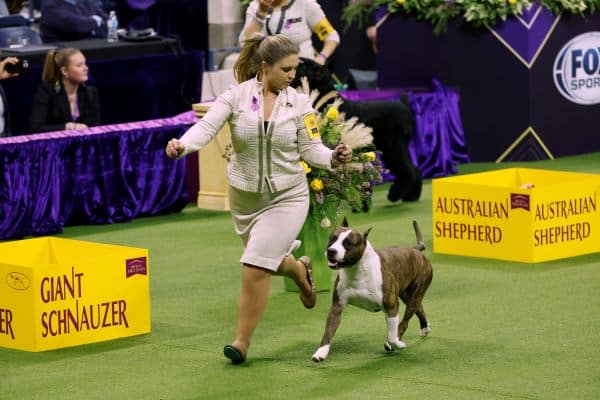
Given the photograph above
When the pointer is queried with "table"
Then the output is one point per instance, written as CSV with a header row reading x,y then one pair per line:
x,y
99,175
213,193
135,80
99,48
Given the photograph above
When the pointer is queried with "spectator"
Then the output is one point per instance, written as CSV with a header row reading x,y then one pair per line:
x,y
3,9
4,115
106,5
296,20
64,20
63,101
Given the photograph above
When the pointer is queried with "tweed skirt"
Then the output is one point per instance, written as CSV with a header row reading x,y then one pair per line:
x,y
268,223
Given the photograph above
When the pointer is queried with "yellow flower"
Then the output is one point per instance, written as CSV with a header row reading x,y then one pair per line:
x,y
370,156
325,223
332,114
400,1
306,167
316,185
512,2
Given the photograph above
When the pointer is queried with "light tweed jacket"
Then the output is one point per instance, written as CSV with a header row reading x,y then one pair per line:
x,y
260,158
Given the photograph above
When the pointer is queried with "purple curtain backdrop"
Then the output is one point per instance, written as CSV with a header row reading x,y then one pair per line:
x,y
99,175
140,4
186,19
439,141
439,144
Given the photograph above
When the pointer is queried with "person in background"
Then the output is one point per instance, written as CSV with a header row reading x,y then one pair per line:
x,y
63,101
272,128
4,115
106,5
65,20
296,19
3,9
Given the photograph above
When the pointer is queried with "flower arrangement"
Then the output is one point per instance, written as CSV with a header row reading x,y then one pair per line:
x,y
477,12
351,182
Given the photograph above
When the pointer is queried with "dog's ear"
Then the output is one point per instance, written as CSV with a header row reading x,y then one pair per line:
x,y
366,234
345,223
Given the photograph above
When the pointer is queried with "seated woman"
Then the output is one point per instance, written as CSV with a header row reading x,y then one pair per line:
x,y
63,101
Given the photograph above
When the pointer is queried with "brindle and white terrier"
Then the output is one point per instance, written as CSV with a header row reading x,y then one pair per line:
x,y
376,280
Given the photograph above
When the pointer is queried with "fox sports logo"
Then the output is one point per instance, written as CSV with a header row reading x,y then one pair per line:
x,y
577,69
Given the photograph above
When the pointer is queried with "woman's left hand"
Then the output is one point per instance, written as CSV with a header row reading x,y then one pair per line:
x,y
342,153
319,59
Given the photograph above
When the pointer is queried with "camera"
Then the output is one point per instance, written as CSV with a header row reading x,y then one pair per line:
x,y
17,68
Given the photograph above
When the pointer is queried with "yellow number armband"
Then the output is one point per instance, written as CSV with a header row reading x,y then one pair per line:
x,y
323,29
312,128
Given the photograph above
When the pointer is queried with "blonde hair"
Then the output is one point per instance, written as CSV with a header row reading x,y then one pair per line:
x,y
259,48
55,60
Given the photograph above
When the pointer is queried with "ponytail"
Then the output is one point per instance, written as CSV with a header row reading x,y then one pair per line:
x,y
55,60
248,63
259,48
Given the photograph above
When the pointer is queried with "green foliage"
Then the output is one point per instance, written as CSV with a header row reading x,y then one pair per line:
x,y
476,12
351,182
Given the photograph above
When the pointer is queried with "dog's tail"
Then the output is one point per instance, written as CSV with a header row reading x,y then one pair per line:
x,y
420,242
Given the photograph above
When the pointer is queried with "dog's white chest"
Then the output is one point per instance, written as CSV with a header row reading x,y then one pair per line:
x,y
361,285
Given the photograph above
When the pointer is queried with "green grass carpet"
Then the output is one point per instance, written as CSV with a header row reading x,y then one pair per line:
x,y
500,330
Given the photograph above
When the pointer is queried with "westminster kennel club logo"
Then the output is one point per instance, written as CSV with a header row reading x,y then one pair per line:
x,y
134,266
518,200
577,69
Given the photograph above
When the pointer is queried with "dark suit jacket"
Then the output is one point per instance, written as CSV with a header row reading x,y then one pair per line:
x,y
64,20
51,109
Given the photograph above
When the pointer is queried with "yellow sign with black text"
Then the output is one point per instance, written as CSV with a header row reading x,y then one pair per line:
x,y
312,128
57,293
517,214
323,28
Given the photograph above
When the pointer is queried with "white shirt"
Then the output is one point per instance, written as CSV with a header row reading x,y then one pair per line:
x,y
2,119
296,20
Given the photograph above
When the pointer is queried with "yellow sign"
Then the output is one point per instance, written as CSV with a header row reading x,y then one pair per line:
x,y
57,293
517,214
323,29
312,128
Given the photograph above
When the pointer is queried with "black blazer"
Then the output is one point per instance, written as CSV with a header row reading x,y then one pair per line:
x,y
51,109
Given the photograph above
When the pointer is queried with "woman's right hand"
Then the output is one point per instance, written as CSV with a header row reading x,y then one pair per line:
x,y
75,125
3,73
174,149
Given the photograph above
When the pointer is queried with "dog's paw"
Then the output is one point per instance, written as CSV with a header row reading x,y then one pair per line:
x,y
321,353
398,344
425,331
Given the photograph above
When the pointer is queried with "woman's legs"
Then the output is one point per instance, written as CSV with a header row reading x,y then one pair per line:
x,y
253,301
256,283
299,271
295,270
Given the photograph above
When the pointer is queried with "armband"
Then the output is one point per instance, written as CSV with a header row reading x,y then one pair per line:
x,y
323,29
